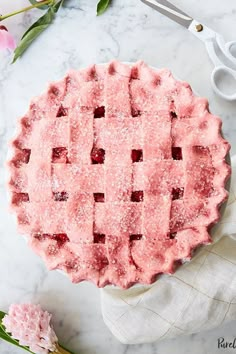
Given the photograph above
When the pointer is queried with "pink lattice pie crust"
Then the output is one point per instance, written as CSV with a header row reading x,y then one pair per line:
x,y
118,173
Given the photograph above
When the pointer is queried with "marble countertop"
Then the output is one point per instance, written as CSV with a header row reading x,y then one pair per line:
x,y
128,31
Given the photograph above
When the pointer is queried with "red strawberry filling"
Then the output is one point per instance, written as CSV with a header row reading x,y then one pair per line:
x,y
61,196
177,153
60,155
62,111
173,115
135,112
60,238
172,235
99,112
177,193
99,197
137,155
135,237
137,196
99,238
19,198
97,156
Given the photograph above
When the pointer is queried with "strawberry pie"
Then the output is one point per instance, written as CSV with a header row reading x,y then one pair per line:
x,y
117,174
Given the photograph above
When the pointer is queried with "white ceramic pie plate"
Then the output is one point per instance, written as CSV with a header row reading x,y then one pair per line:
x,y
213,231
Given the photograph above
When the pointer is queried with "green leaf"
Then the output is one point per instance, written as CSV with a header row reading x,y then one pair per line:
x,y
27,40
7,338
57,6
36,29
44,20
34,2
2,314
102,6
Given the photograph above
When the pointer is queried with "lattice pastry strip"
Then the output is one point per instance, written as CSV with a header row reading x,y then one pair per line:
x,y
157,137
117,103
40,172
119,219
39,222
81,137
199,131
199,182
73,178
121,264
80,212
156,215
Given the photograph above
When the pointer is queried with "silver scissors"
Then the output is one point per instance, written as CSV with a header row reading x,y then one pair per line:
x,y
222,54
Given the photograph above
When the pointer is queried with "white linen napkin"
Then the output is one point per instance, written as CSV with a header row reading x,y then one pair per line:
x,y
199,296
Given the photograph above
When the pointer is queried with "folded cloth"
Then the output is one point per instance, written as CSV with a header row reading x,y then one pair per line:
x,y
200,295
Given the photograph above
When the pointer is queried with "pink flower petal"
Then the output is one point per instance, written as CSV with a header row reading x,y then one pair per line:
x,y
29,324
6,40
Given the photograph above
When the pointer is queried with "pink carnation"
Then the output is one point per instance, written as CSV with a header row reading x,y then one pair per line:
x,y
6,39
30,325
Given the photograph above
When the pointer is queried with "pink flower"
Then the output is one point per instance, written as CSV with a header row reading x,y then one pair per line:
x,y
30,325
6,39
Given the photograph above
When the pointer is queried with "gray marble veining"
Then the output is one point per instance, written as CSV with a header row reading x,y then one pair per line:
x,y
129,31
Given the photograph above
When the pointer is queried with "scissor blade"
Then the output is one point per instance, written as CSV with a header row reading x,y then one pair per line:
x,y
169,10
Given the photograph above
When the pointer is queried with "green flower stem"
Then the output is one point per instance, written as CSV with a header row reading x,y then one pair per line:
x,y
42,3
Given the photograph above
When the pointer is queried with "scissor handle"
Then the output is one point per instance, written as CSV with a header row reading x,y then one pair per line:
x,y
230,48
208,36
223,78
223,74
